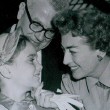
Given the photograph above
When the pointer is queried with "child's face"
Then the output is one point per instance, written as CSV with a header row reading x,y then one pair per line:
x,y
26,69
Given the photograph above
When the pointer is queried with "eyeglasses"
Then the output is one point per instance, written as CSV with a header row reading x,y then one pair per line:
x,y
38,27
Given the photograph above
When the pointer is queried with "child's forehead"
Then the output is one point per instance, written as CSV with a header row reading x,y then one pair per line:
x,y
29,51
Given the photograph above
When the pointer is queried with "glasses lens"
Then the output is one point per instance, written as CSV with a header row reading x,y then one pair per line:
x,y
36,27
49,34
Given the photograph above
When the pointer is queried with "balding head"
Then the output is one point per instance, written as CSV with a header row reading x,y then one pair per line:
x,y
58,5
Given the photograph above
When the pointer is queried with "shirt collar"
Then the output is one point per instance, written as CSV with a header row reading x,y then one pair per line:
x,y
104,77
8,103
91,82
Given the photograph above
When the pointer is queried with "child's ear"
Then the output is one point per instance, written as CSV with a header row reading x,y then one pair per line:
x,y
5,72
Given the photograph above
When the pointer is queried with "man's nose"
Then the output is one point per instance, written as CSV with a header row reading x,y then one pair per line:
x,y
40,36
67,57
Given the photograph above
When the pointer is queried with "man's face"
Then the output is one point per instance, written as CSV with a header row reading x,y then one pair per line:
x,y
78,55
41,11
26,69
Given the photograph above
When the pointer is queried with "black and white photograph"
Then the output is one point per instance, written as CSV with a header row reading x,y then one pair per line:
x,y
55,55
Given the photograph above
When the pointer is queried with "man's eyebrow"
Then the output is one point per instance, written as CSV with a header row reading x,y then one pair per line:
x,y
71,47
37,20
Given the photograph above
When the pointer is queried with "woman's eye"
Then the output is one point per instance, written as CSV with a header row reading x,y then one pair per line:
x,y
73,52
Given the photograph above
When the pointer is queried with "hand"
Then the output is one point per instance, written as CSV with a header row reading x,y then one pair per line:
x,y
43,98
63,101
49,99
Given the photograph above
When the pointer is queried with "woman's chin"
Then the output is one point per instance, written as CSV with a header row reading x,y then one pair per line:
x,y
77,75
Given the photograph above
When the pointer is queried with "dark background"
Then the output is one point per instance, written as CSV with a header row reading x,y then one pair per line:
x,y
8,12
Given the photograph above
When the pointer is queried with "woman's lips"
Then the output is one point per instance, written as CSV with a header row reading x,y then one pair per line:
x,y
73,68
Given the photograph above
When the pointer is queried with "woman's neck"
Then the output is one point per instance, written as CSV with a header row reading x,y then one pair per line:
x,y
102,66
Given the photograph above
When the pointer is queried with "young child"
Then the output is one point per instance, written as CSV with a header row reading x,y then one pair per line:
x,y
19,72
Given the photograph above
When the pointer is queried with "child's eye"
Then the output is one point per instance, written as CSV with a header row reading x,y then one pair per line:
x,y
31,60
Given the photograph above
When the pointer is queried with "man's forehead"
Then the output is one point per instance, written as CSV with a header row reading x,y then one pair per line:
x,y
43,11
58,5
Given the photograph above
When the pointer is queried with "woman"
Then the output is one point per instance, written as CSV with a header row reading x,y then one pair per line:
x,y
86,44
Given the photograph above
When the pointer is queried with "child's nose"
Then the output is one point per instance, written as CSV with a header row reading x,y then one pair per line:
x,y
38,66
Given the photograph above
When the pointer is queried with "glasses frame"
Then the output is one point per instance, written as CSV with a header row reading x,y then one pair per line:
x,y
35,22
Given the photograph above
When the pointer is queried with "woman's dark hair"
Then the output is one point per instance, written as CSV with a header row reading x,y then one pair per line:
x,y
91,23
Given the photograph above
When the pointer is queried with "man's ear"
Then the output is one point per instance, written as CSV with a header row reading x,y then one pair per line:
x,y
5,72
21,10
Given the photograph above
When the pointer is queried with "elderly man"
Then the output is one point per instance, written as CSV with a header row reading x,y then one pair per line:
x,y
35,19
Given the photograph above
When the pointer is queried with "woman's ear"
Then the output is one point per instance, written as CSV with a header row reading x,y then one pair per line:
x,y
5,72
100,55
21,10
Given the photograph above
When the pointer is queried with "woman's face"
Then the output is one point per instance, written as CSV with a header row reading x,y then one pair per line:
x,y
26,69
78,55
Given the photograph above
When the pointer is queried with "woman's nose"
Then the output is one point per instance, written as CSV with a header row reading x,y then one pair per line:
x,y
67,57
